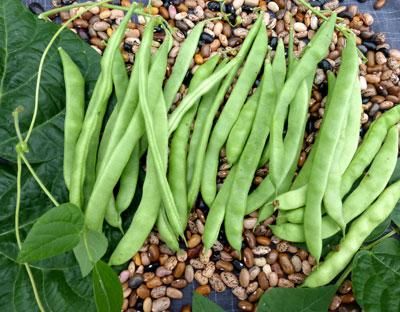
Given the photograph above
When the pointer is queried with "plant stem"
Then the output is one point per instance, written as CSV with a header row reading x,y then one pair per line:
x,y
41,65
373,244
67,8
35,176
17,235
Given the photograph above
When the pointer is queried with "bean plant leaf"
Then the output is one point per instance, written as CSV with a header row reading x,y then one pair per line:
x,y
92,246
22,40
379,230
107,288
376,278
297,299
201,304
54,233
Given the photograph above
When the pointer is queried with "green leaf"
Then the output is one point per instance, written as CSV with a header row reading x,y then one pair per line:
x,y
107,288
396,173
376,279
297,299
378,231
396,215
54,233
203,304
390,246
92,246
23,38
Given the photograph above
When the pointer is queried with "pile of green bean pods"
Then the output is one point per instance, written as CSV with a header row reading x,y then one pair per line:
x,y
253,108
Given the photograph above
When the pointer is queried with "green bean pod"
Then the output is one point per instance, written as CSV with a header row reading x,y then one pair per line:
x,y
208,107
314,53
128,182
86,147
360,229
373,183
241,129
215,216
345,151
302,177
167,234
248,163
74,111
150,203
168,200
182,63
113,168
177,170
369,147
329,136
230,113
120,81
295,216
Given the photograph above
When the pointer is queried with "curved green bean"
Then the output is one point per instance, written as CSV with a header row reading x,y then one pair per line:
x,y
74,111
329,136
248,163
345,151
202,128
314,53
373,183
231,109
240,131
177,170
360,229
86,146
182,63
217,212
369,147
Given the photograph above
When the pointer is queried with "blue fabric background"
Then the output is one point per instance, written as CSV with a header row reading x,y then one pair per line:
x,y
387,20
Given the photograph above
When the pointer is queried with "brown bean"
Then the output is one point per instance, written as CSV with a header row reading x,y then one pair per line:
x,y
263,240
347,298
154,253
179,283
229,279
143,292
284,283
171,263
194,252
285,264
250,239
263,280
224,266
253,272
158,292
154,282
189,273
195,240
148,276
166,280
161,304
216,283
244,277
209,270
256,295
245,305
186,308
239,292
179,269
200,278
204,290
174,293
272,257
345,287
297,278
273,279
248,257
162,271
147,303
